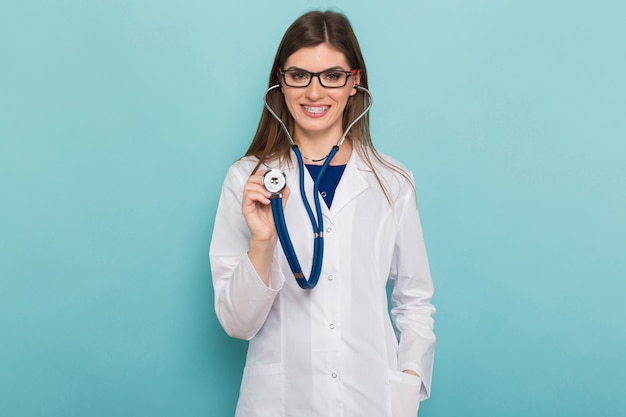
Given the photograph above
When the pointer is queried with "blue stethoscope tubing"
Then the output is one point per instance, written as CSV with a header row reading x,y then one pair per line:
x,y
317,218
316,222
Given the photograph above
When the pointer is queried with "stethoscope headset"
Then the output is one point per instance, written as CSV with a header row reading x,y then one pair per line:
x,y
275,181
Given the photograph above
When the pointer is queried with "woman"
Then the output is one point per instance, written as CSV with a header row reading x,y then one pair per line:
x,y
332,350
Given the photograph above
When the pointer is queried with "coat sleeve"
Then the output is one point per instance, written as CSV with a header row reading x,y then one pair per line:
x,y
411,307
242,300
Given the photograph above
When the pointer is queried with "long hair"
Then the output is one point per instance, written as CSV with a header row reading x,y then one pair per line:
x,y
311,29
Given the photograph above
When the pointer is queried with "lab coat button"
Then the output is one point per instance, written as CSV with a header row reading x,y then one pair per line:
x,y
332,326
328,230
334,375
330,277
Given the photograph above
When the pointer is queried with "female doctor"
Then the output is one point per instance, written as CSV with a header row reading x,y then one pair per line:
x,y
333,350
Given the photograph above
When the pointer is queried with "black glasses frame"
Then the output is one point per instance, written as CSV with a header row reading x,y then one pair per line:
x,y
316,74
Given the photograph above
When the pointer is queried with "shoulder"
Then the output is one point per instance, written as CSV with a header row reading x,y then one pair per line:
x,y
393,175
239,172
389,160
243,166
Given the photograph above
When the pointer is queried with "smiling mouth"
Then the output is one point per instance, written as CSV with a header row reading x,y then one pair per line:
x,y
315,109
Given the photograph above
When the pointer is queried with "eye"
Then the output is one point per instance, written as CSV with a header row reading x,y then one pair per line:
x,y
333,77
298,75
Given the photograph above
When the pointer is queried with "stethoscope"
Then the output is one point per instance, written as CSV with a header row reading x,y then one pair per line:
x,y
275,181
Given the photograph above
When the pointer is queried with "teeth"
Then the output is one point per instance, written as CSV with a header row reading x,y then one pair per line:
x,y
315,110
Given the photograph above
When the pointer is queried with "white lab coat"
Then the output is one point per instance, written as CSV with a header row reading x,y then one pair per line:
x,y
331,351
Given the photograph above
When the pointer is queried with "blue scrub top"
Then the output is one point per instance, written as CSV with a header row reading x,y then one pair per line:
x,y
330,180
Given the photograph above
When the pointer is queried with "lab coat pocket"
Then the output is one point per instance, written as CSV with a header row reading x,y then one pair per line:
x,y
261,391
405,394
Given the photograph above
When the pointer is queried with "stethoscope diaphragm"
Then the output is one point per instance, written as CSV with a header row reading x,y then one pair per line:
x,y
274,181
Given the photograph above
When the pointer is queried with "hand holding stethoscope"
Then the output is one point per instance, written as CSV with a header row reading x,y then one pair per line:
x,y
257,211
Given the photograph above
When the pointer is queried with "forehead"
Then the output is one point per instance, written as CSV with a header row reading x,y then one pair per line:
x,y
317,58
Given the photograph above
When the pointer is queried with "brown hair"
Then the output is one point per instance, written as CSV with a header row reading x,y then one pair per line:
x,y
311,29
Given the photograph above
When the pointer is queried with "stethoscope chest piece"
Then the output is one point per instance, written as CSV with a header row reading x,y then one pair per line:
x,y
274,181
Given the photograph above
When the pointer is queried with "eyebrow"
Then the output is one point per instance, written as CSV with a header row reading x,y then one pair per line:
x,y
335,68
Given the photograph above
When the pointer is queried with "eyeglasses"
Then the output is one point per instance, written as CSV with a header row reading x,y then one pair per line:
x,y
331,78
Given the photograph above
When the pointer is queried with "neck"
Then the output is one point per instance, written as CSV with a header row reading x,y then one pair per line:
x,y
315,146
317,155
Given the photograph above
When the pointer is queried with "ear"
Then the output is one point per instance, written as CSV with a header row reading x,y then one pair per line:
x,y
357,81
279,78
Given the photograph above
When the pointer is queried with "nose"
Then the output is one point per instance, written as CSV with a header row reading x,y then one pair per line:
x,y
315,88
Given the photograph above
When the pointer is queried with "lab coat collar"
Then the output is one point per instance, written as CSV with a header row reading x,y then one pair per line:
x,y
351,185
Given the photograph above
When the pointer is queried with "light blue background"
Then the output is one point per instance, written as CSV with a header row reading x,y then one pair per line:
x,y
118,120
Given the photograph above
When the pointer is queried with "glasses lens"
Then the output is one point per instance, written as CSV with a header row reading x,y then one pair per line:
x,y
333,78
295,78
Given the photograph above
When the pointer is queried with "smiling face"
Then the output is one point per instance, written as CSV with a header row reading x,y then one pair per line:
x,y
316,110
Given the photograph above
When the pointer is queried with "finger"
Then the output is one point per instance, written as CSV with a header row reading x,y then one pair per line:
x,y
252,197
255,185
257,177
